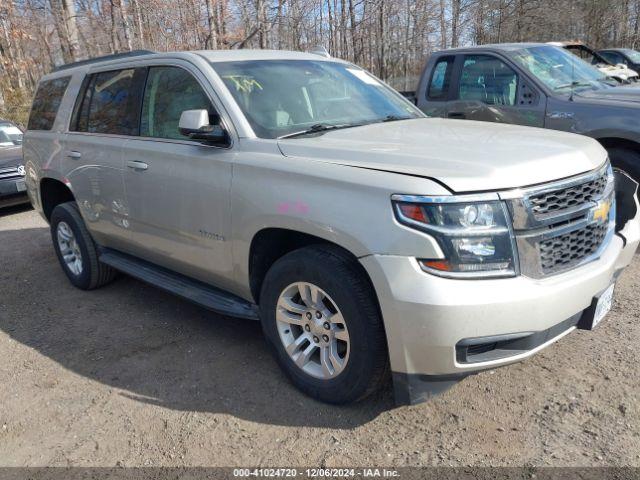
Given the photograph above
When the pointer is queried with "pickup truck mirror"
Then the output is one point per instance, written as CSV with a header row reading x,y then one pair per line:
x,y
195,125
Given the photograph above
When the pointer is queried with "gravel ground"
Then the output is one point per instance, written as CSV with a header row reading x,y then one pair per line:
x,y
130,376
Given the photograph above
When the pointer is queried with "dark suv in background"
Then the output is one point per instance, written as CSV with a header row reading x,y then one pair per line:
x,y
12,186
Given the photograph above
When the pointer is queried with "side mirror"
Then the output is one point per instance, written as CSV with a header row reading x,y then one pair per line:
x,y
621,65
195,125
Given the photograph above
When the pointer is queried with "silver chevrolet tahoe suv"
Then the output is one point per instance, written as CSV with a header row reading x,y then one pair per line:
x,y
299,190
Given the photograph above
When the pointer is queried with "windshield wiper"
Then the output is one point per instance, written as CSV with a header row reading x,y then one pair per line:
x,y
395,118
319,127
573,85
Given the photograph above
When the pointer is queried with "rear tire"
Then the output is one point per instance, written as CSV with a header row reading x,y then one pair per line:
x,y
626,159
76,249
348,357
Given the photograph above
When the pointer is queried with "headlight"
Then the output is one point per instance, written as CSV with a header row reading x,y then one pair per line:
x,y
475,235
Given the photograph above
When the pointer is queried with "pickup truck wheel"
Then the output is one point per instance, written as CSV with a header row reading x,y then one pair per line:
x,y
321,319
76,250
627,160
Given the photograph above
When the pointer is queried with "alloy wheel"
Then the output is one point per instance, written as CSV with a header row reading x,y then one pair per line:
x,y
312,330
69,248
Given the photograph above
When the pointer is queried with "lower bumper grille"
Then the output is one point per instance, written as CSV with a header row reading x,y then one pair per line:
x,y
565,251
486,349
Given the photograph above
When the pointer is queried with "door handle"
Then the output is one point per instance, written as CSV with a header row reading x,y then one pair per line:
x,y
456,115
75,155
137,165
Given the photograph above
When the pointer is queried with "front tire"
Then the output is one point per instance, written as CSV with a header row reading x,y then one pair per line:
x,y
320,317
76,250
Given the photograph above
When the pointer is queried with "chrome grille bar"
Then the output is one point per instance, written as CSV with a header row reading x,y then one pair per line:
x,y
562,225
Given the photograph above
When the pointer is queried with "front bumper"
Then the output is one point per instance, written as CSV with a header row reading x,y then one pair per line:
x,y
13,192
428,319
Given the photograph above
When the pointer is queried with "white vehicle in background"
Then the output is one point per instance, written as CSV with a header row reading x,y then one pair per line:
x,y
620,71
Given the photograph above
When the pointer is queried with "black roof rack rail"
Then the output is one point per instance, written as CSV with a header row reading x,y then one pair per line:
x,y
133,53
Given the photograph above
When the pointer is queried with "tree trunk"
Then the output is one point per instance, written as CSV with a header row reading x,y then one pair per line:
x,y
352,26
443,26
126,29
115,43
135,6
212,22
455,22
69,13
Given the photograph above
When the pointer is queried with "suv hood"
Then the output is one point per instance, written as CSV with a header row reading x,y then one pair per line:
x,y
465,155
10,156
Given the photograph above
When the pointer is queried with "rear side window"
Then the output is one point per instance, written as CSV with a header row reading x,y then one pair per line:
x,y
46,103
110,103
169,92
440,79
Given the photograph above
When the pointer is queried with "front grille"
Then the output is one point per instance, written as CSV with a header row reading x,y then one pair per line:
x,y
555,225
9,172
565,251
558,200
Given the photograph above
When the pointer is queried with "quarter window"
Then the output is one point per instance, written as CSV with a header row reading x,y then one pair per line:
x,y
489,80
440,79
111,103
46,103
169,92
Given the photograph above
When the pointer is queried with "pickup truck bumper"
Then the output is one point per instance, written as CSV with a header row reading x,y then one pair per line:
x,y
440,330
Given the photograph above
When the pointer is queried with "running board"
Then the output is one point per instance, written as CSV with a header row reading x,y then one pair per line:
x,y
193,290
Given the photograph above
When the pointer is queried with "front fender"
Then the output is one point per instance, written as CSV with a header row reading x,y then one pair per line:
x,y
350,207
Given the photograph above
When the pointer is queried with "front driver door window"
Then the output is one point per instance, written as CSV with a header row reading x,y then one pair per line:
x,y
179,199
490,90
169,92
488,80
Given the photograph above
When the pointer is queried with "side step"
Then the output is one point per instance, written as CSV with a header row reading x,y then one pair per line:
x,y
193,290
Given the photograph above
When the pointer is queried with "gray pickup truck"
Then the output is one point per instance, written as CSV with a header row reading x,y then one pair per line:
x,y
537,85
301,191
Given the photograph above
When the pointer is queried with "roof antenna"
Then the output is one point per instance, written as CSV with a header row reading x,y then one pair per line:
x,y
320,50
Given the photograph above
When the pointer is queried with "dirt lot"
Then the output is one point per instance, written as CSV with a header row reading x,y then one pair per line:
x,y
128,375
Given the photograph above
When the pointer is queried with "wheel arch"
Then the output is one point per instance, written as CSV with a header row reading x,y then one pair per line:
x,y
272,243
619,142
53,192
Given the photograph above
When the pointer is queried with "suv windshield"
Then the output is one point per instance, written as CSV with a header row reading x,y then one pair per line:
x,y
10,135
560,70
285,97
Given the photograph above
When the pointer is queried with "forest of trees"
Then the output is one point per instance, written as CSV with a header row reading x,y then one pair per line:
x,y
391,38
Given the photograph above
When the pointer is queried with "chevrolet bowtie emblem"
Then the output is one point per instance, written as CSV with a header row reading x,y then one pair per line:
x,y
601,212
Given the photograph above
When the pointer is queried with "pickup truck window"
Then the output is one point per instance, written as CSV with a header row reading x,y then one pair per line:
x,y
170,91
46,103
489,80
560,70
111,103
281,97
440,79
